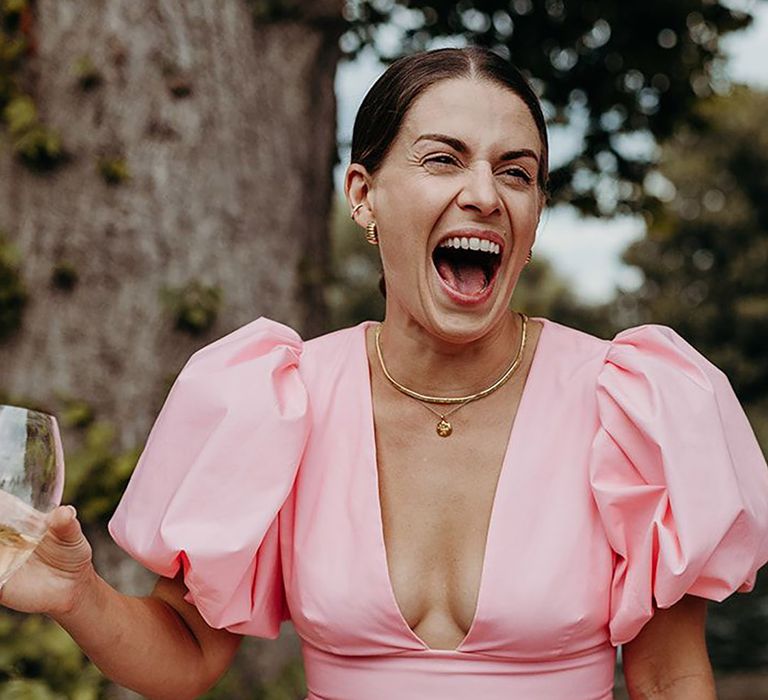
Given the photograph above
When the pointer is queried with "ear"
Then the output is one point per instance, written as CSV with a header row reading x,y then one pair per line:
x,y
357,189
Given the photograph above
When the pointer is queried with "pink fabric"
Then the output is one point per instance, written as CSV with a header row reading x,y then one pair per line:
x,y
679,480
219,463
259,478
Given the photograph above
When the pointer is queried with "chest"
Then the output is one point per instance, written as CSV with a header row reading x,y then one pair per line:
x,y
489,539
436,499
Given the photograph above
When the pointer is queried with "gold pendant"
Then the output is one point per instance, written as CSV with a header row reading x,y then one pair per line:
x,y
444,428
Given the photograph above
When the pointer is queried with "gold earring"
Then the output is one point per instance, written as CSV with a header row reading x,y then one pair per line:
x,y
370,233
528,257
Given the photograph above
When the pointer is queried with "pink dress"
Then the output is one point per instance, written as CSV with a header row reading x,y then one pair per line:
x,y
631,476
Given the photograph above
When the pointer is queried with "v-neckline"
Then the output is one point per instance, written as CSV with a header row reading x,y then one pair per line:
x,y
372,465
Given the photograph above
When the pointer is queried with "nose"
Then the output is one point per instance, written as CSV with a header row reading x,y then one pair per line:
x,y
479,192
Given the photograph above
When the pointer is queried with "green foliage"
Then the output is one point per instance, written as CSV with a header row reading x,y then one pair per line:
x,y
289,684
20,114
15,7
13,294
113,169
13,47
36,145
97,473
39,661
194,306
39,148
77,414
620,70
705,255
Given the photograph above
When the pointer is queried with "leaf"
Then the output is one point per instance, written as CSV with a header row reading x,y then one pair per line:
x,y
20,114
27,690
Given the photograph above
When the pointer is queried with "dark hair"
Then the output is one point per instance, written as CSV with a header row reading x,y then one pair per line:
x,y
386,104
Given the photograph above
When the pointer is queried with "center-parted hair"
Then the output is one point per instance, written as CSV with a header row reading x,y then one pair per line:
x,y
386,104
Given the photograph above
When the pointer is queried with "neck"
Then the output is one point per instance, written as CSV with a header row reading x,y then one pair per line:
x,y
431,365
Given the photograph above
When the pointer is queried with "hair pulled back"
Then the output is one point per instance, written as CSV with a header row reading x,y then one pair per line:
x,y
386,104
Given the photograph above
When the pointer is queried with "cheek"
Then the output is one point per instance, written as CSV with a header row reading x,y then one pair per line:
x,y
410,218
412,195
524,215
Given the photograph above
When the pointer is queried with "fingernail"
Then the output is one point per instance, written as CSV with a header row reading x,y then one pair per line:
x,y
72,510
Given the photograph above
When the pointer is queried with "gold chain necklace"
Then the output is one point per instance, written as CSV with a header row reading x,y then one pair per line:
x,y
444,427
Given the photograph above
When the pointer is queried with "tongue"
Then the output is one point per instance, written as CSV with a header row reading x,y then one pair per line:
x,y
465,279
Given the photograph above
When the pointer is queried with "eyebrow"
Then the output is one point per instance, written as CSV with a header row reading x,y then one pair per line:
x,y
460,147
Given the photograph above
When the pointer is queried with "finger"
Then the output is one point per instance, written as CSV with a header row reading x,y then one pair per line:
x,y
64,524
61,515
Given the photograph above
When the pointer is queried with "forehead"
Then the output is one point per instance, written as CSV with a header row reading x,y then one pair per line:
x,y
476,111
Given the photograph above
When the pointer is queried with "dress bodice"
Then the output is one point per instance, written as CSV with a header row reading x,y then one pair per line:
x,y
631,476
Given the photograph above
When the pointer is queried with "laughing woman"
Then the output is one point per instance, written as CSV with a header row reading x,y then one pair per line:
x,y
457,502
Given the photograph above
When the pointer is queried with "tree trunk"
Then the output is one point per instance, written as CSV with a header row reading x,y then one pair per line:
x,y
227,127
224,117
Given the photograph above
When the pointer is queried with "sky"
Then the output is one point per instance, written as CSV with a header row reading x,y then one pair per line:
x,y
571,243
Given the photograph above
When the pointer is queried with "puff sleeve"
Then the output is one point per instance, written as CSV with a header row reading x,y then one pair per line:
x,y
678,477
218,465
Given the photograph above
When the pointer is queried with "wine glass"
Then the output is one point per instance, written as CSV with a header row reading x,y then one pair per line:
x,y
31,482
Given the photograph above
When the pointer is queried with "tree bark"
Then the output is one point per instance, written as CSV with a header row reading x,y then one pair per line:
x,y
225,119
227,127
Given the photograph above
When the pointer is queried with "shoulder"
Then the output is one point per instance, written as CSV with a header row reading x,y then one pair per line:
x,y
264,335
650,346
569,339
266,353
337,340
254,340
654,355
328,355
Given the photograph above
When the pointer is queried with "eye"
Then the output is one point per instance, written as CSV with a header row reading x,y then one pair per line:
x,y
439,159
517,174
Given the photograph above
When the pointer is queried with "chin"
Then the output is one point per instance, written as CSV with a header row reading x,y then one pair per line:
x,y
461,324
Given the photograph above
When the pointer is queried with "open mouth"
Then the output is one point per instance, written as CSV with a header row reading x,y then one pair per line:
x,y
467,265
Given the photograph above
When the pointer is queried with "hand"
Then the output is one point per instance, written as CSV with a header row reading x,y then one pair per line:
x,y
56,576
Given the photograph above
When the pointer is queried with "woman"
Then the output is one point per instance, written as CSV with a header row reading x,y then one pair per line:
x,y
458,502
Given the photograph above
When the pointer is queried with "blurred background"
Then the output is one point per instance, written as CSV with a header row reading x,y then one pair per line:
x,y
170,170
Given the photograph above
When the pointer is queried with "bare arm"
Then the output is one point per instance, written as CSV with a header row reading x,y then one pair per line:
x,y
158,645
668,659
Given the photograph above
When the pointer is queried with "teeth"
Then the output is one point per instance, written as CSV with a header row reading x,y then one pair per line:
x,y
471,243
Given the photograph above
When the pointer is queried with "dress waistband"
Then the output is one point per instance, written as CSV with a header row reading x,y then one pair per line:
x,y
452,675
